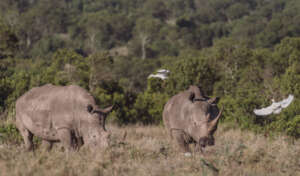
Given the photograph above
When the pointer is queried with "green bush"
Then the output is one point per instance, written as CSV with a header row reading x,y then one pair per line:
x,y
9,134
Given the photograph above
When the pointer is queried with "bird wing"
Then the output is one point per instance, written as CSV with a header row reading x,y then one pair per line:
x,y
268,110
275,107
286,102
161,76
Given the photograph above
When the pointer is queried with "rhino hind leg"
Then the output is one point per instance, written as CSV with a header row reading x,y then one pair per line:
x,y
77,141
26,134
181,140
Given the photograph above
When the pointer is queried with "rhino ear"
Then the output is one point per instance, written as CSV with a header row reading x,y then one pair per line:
x,y
192,97
90,108
107,110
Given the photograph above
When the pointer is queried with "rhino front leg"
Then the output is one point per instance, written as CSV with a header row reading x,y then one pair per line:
x,y
181,140
198,148
79,142
47,145
65,138
26,134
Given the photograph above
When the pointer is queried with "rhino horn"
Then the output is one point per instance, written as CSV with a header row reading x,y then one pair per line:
x,y
214,122
107,110
214,100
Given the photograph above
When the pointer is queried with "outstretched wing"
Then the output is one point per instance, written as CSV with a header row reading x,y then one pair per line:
x,y
286,102
274,107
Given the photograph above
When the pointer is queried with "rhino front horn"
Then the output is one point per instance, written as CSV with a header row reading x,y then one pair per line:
x,y
214,122
107,110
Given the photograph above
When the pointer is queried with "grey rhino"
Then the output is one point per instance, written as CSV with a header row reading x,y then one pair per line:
x,y
66,114
190,117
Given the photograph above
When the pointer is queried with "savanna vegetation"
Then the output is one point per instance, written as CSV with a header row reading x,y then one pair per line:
x,y
146,150
244,51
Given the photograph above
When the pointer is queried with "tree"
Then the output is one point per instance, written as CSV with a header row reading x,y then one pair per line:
x,y
68,67
100,65
8,41
236,11
145,30
188,71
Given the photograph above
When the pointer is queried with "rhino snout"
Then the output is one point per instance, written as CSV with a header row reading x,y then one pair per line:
x,y
203,142
211,141
206,141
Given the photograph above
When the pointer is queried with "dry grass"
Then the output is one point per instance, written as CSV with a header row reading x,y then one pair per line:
x,y
149,151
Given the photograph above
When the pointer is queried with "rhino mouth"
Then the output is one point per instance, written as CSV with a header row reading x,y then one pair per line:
x,y
205,141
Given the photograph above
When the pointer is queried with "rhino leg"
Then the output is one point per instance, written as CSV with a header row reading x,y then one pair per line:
x,y
198,148
26,134
79,142
65,138
47,145
181,140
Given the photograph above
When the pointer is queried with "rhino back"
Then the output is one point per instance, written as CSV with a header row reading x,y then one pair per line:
x,y
45,109
176,111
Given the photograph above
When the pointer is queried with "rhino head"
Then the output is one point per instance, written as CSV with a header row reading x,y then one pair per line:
x,y
94,132
204,121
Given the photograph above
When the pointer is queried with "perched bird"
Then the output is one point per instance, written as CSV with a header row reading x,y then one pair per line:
x,y
275,107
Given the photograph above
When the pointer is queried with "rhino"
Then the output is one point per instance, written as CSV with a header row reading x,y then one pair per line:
x,y
191,117
65,114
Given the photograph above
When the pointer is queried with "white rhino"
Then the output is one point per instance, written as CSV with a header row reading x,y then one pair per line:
x,y
191,117
66,114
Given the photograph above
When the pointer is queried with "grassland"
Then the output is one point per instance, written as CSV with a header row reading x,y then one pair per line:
x,y
149,151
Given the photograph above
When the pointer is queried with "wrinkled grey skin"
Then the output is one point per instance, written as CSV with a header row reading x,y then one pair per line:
x,y
190,119
61,114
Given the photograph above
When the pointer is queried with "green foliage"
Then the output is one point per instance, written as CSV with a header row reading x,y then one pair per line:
x,y
110,93
90,26
6,71
237,10
149,105
8,41
244,51
293,127
288,120
9,134
190,70
290,80
132,73
68,67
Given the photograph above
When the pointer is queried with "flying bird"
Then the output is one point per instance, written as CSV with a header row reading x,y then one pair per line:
x,y
275,107
162,74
